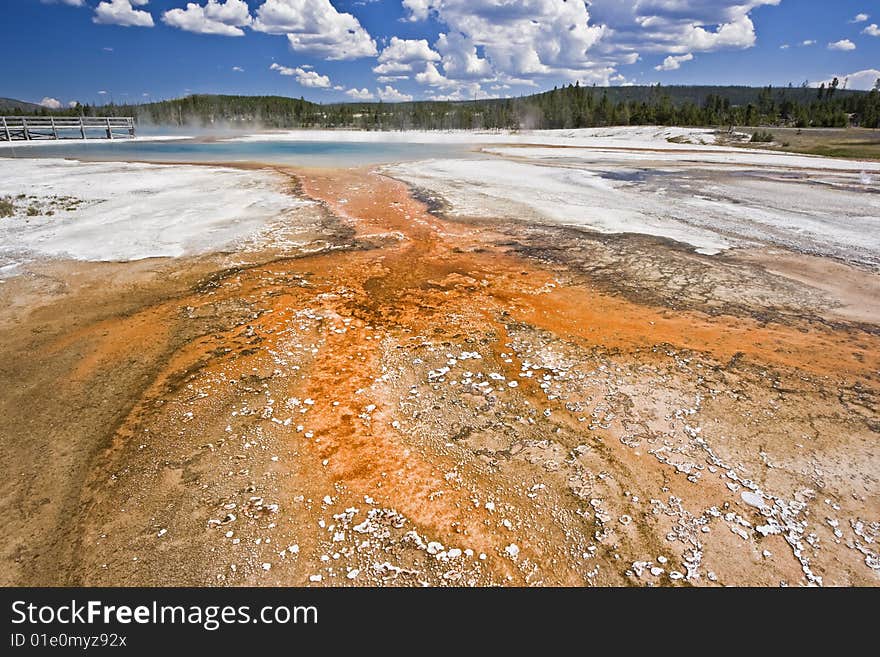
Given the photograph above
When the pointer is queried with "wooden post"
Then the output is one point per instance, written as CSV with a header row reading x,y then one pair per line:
x,y
6,129
82,127
109,129
24,127
54,129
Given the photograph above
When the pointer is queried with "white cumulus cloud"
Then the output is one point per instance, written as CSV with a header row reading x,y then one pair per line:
x,y
519,41
674,62
460,58
360,94
872,30
529,37
315,27
434,78
306,78
860,18
123,12
402,54
679,26
216,17
50,103
463,93
453,89
418,9
391,95
843,44
861,80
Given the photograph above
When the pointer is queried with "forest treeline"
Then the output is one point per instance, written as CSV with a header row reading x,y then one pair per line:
x,y
571,106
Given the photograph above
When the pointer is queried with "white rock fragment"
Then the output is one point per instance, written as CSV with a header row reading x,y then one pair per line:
x,y
767,530
753,499
739,531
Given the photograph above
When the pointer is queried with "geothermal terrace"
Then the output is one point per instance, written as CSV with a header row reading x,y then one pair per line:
x,y
594,357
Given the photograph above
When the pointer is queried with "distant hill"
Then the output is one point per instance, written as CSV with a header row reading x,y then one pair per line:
x,y
571,106
268,111
697,94
12,105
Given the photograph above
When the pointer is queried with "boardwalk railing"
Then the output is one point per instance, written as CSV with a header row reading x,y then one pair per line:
x,y
27,128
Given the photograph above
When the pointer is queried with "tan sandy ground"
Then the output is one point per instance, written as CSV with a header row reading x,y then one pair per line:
x,y
451,403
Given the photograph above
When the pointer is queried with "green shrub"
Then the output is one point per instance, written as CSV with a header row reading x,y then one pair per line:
x,y
6,207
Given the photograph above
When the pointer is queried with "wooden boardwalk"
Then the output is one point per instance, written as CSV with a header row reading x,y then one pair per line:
x,y
29,128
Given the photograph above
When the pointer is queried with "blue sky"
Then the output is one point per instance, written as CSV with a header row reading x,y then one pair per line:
x,y
58,51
